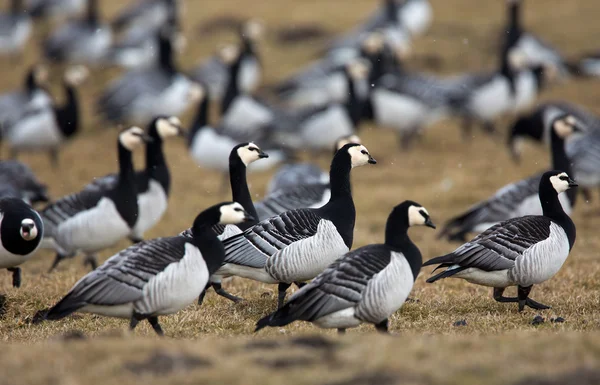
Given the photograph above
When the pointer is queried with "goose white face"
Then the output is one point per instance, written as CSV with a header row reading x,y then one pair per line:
x,y
402,52
359,156
358,70
565,127
229,54
28,229
254,29
418,216
41,74
232,214
250,153
132,138
196,93
517,59
560,182
76,75
341,142
168,127
373,43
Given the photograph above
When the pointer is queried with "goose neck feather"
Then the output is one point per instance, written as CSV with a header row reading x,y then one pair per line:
x,y
239,188
397,239
201,119
561,162
124,195
156,165
166,54
354,106
233,90
552,209
67,116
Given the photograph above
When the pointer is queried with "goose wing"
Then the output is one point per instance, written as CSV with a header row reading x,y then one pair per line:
x,y
312,195
70,205
254,246
584,151
214,74
121,279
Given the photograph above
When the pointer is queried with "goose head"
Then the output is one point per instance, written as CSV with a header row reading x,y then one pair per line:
x,y
566,125
167,127
344,140
357,70
28,229
232,213
560,181
76,75
373,43
252,30
229,54
196,92
248,153
525,126
131,138
359,155
418,215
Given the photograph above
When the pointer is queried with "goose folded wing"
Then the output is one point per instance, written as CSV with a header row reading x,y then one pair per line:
x,y
498,247
132,86
211,72
254,246
291,198
585,153
71,205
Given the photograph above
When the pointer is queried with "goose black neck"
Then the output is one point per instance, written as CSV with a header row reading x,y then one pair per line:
x,y
552,209
560,161
354,106
165,52
67,116
391,11
156,166
239,185
397,239
92,12
339,175
200,120
205,238
514,17
31,82
247,46
232,90
126,171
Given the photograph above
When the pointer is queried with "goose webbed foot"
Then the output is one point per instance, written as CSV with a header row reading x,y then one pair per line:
x,y
524,300
382,327
341,331
16,276
498,296
282,288
90,260
223,293
156,326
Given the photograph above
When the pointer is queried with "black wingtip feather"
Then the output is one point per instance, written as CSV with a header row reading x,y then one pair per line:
x,y
445,274
64,308
448,258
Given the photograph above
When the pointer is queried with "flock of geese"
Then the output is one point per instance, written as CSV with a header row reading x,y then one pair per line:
x,y
302,232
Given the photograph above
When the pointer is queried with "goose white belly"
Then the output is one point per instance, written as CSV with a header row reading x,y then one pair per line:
x,y
152,205
249,74
344,318
492,100
177,286
92,230
543,260
332,88
118,311
136,57
387,291
8,259
322,130
174,99
35,132
211,150
498,278
254,273
398,111
247,114
305,259
526,91
416,16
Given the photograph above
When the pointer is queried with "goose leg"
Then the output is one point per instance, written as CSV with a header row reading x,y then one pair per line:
x,y
300,284
54,157
135,320
203,294
382,327
222,292
91,260
281,295
58,259
341,331
156,326
16,276
498,291
525,300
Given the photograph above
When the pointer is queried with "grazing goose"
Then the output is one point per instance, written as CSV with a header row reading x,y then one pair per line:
x,y
15,29
55,9
19,181
46,129
140,95
92,220
146,14
586,65
87,40
153,278
368,284
153,184
214,71
21,230
522,251
519,198
298,245
298,186
33,96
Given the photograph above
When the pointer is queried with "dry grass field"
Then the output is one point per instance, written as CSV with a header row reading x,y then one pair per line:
x,y
215,344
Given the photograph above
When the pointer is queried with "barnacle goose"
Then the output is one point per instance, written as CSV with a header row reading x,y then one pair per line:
x,y
147,14
586,65
21,230
154,182
153,278
56,9
83,41
33,96
19,181
214,72
15,28
368,284
298,245
47,128
521,251
94,219
298,186
535,51
140,95
414,15
519,198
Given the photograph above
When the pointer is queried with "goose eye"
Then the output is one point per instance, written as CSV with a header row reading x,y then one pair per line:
x,y
423,213
564,178
237,209
364,152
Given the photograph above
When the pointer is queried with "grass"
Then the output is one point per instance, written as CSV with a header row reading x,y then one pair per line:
x,y
443,172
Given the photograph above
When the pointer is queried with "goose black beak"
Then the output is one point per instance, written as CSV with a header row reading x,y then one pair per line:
x,y
262,154
146,138
372,160
249,218
572,183
181,132
429,223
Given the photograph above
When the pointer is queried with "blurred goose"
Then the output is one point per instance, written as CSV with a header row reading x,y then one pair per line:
x,y
298,245
368,284
214,73
153,278
33,96
586,65
535,51
140,95
298,186
56,9
154,182
519,198
21,230
92,220
46,129
19,181
15,28
521,252
146,14
413,15
86,40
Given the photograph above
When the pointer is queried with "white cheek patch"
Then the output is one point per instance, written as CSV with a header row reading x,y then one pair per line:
x,y
130,139
562,129
415,218
559,185
165,128
246,155
229,215
357,157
